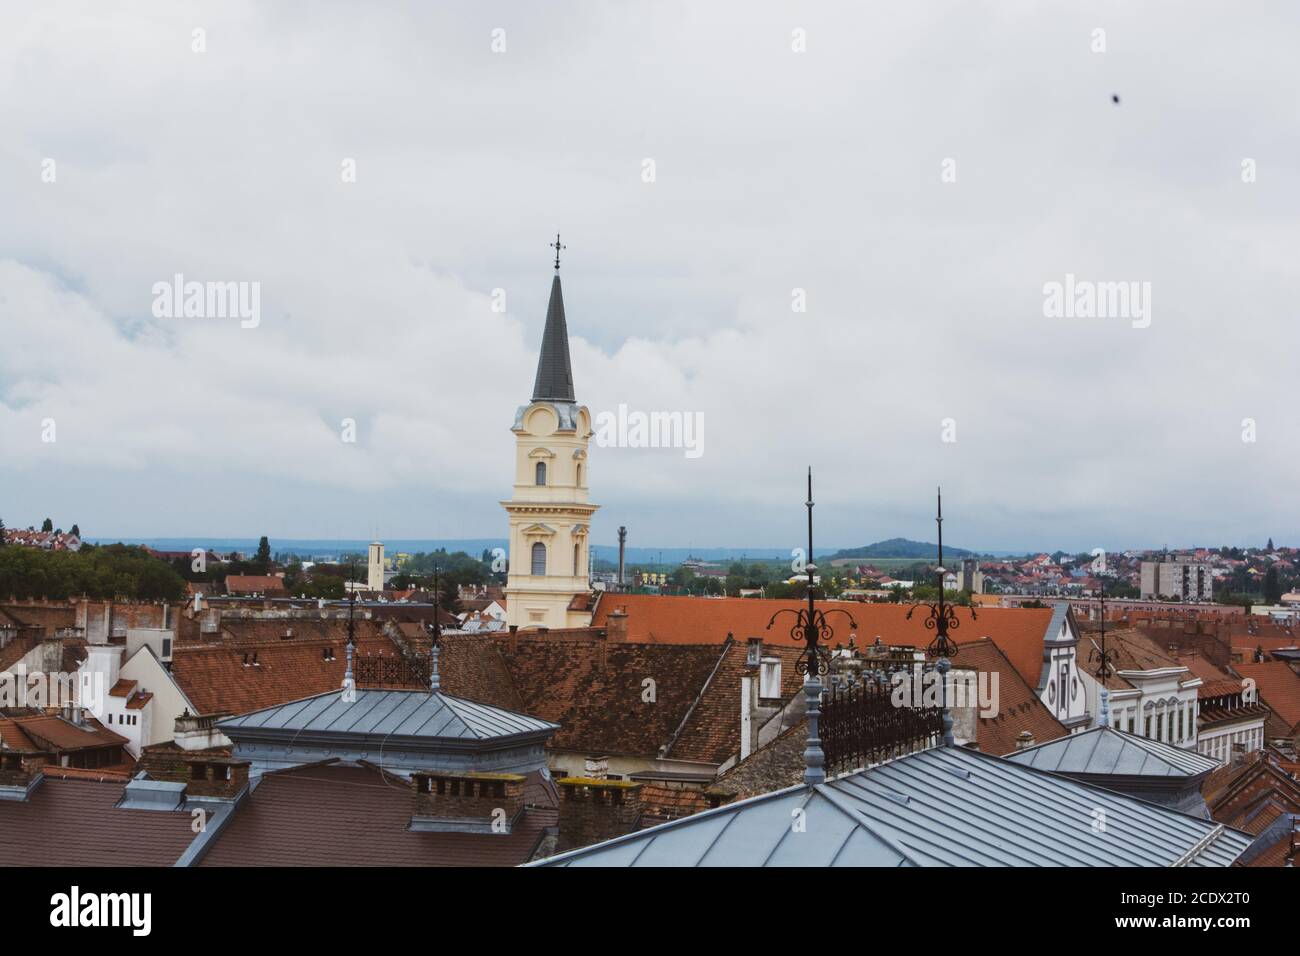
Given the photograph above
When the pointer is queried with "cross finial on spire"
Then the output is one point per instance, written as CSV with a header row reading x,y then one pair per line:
x,y
557,247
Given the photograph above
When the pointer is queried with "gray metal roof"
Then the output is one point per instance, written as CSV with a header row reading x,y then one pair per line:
x,y
1105,750
391,713
554,381
942,807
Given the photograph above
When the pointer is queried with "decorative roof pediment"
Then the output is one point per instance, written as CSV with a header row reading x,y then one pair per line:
x,y
538,530
541,453
579,531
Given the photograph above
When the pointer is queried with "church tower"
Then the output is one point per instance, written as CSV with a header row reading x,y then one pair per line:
x,y
550,517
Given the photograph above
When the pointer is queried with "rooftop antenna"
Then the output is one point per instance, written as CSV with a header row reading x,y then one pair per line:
x,y
810,627
942,619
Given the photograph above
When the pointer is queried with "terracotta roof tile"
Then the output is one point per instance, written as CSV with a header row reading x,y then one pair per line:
x,y
356,816
1279,688
74,822
657,619
246,676
596,691
1019,707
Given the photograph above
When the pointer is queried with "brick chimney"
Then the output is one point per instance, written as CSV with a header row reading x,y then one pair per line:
x,y
20,773
616,625
596,810
466,802
213,776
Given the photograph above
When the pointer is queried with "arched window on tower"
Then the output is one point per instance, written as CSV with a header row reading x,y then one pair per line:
x,y
541,473
579,479
539,558
577,553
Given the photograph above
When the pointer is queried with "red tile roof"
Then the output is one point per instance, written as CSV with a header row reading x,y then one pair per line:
x,y
1279,688
51,732
656,619
356,816
245,676
1019,707
253,584
596,691
73,822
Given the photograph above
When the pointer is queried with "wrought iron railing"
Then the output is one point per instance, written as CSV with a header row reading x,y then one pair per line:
x,y
861,726
391,671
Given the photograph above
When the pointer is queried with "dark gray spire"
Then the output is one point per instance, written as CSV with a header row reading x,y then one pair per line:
x,y
554,375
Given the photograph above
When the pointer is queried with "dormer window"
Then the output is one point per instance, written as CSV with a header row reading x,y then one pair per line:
x,y
769,678
540,472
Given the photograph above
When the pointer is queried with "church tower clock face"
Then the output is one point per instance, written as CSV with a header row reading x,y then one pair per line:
x,y
548,512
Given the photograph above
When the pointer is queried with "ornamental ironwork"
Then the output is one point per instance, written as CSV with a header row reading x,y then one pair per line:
x,y
810,624
943,616
862,726
392,670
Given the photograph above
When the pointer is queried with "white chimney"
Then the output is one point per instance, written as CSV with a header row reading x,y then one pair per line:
x,y
105,659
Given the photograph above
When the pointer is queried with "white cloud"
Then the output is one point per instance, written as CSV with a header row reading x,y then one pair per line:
x,y
776,170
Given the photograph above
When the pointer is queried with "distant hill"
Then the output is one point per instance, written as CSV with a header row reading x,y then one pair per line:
x,y
902,548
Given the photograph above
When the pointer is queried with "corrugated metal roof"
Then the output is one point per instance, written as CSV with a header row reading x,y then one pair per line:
x,y
942,807
1105,750
396,713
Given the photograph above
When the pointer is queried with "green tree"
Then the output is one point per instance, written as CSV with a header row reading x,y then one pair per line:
x,y
76,531
2,532
47,525
1272,587
114,571
449,595
262,559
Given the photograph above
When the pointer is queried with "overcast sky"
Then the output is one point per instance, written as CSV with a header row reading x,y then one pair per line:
x,y
774,170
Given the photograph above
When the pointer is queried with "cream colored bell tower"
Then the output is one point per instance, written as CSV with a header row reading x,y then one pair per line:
x,y
550,517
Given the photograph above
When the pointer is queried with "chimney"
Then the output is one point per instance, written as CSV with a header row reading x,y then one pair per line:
x,y
465,802
1238,754
104,659
199,732
622,549
1024,740
222,778
595,810
616,625
20,773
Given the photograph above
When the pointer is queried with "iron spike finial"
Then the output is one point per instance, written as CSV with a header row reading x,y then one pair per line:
x,y
435,633
812,629
557,247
